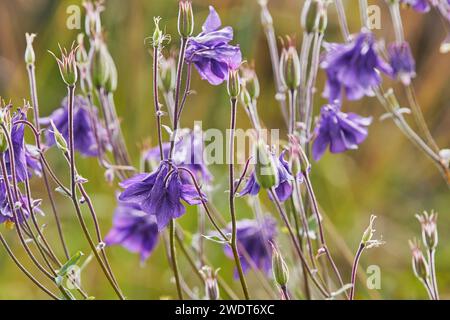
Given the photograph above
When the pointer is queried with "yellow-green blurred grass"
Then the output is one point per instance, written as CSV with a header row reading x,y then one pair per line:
x,y
386,177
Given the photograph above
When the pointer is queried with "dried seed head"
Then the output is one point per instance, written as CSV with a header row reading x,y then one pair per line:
x,y
67,65
279,267
211,285
234,83
290,67
428,223
185,19
419,263
30,57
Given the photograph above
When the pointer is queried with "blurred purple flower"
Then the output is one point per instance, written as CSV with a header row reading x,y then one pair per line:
x,y
211,52
338,130
402,62
134,230
85,140
189,153
160,193
254,239
418,5
284,187
353,67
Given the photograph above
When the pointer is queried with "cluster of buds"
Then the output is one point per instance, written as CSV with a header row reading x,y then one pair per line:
x,y
290,68
314,17
185,19
212,291
68,65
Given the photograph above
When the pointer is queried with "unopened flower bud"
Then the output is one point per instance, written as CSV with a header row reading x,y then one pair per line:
x,y
185,19
82,56
61,143
112,82
314,16
419,263
234,85
251,82
265,169
279,267
211,285
246,99
68,65
428,223
30,57
290,68
100,64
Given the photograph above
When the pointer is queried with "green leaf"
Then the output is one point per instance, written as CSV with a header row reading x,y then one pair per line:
x,y
69,264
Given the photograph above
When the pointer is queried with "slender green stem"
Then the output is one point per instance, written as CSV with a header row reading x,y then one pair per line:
x,y
355,271
232,196
173,257
156,53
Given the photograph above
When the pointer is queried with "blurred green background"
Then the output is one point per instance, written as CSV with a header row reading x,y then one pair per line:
x,y
387,176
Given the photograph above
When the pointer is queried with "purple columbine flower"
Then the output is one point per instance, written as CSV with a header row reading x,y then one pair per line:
x,y
134,230
254,239
20,151
402,62
338,130
160,193
6,214
188,153
353,68
284,187
421,6
211,52
85,140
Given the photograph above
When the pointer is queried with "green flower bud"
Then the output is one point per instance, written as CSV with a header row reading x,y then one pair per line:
x,y
82,56
185,19
279,267
59,139
246,99
290,68
100,64
30,57
112,82
251,82
234,84
265,168
68,65
314,16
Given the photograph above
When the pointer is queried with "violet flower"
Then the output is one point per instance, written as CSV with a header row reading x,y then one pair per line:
x,y
254,239
134,230
338,130
402,62
19,149
353,68
211,52
7,215
284,187
188,153
160,193
85,140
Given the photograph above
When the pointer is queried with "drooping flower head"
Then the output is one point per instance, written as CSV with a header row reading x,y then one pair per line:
x,y
339,131
188,153
7,215
283,188
211,52
254,238
134,230
84,134
402,62
25,157
161,193
353,67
